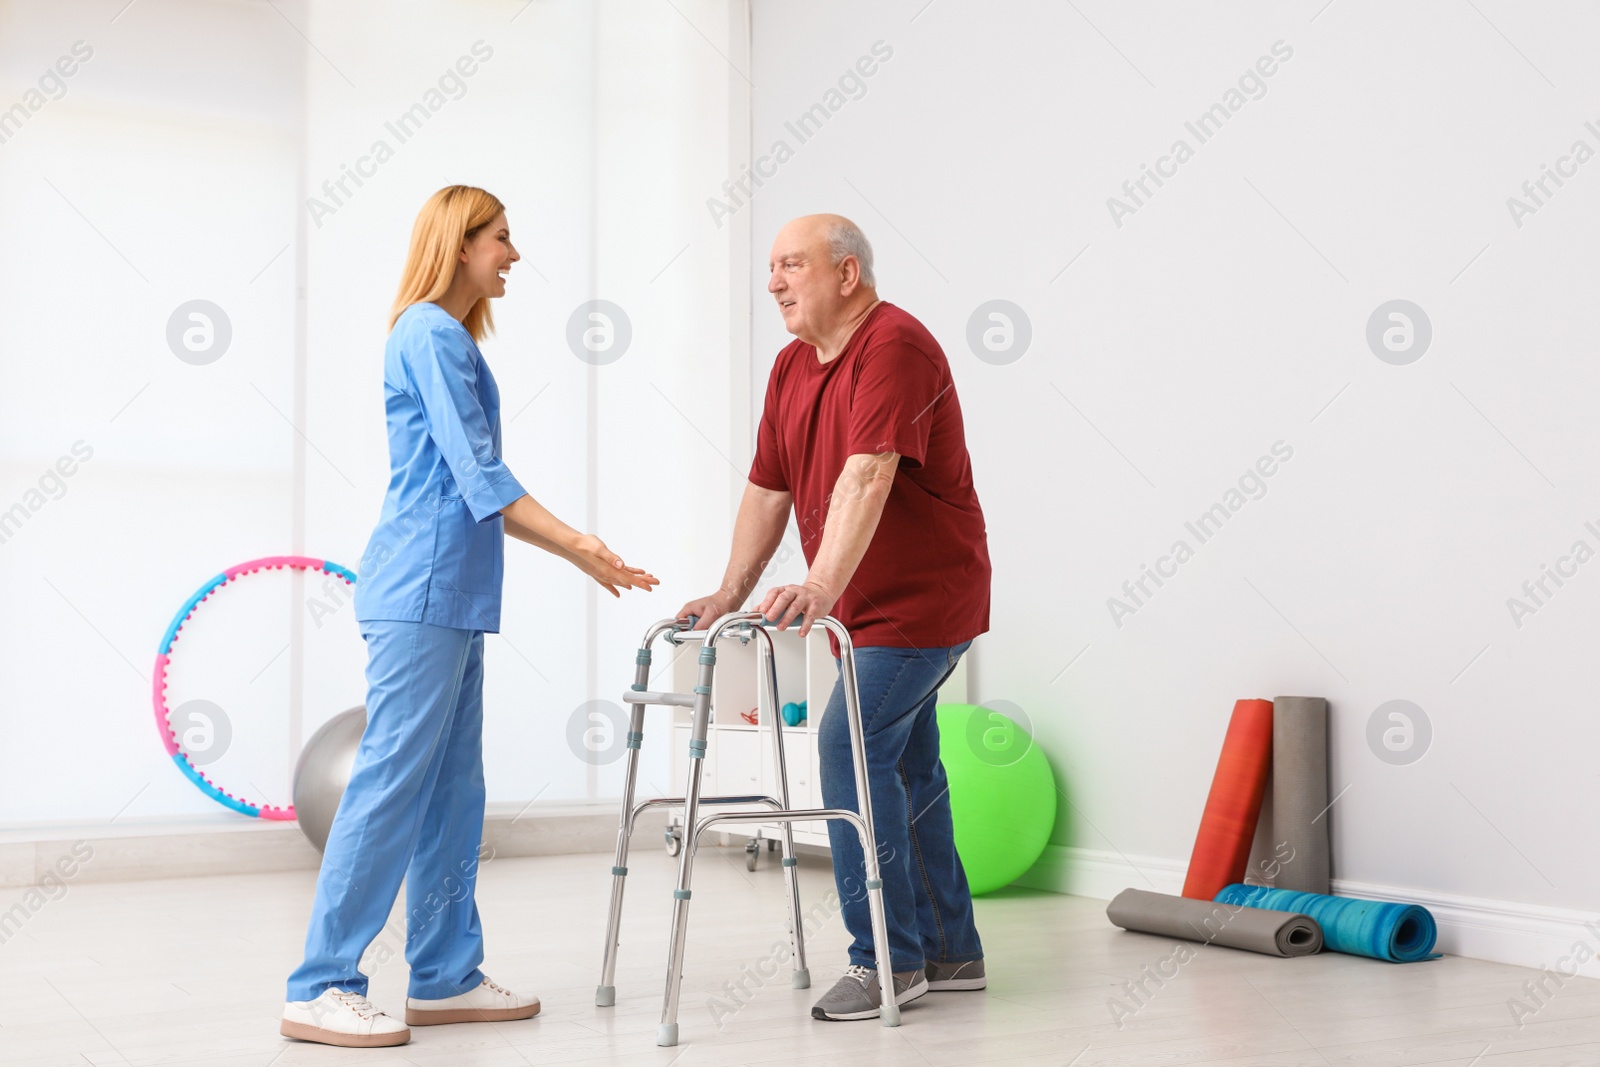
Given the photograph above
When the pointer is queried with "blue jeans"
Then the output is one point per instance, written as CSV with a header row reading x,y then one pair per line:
x,y
413,809
925,894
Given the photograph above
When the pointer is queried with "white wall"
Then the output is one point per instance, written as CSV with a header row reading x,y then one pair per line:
x,y
590,130
1229,313
1226,314
165,172
192,142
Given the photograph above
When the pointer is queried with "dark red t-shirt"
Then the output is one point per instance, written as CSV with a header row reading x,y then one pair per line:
x,y
924,581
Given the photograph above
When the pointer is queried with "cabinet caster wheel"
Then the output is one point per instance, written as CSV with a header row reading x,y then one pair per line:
x,y
752,853
674,839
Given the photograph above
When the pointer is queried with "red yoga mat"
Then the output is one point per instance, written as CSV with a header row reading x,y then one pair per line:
x,y
1222,847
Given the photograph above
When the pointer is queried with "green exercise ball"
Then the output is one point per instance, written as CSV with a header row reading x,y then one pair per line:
x,y
1002,793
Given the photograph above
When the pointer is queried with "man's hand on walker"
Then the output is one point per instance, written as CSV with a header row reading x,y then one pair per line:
x,y
708,609
593,558
784,602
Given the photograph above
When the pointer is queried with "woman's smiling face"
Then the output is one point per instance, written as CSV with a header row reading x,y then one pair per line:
x,y
487,256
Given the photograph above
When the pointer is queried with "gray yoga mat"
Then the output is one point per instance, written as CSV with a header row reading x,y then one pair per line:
x,y
1271,933
1300,813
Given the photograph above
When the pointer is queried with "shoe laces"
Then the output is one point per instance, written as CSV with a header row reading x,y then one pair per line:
x,y
356,1003
496,987
862,974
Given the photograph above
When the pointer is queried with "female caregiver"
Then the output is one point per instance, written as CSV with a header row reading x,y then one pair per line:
x,y
429,590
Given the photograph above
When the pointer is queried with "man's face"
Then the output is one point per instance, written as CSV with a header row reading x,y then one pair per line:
x,y
804,281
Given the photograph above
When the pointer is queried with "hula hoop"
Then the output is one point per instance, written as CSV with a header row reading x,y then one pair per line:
x,y
163,658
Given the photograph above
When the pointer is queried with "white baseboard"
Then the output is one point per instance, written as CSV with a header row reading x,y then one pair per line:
x,y
1528,935
140,850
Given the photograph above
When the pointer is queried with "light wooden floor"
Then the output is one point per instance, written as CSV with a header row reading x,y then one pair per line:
x,y
191,972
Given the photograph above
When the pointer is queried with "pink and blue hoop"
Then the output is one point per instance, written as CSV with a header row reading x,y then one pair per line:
x,y
164,656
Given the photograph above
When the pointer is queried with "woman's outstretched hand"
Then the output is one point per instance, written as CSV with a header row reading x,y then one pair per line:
x,y
593,558
528,520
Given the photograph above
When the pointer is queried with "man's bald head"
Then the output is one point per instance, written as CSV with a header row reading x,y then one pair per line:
x,y
835,233
821,275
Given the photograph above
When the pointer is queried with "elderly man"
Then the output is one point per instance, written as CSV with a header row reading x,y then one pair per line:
x,y
861,434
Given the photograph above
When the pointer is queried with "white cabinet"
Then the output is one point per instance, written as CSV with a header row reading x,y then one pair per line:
x,y
813,785
738,762
800,760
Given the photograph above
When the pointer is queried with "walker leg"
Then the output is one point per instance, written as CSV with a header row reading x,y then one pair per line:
x,y
667,1033
605,994
889,1010
801,978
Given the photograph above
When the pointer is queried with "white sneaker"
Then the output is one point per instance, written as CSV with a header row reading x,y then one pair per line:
x,y
488,1003
339,1017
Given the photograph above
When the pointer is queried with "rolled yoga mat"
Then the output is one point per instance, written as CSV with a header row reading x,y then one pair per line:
x,y
1271,933
1300,793
1399,933
1228,826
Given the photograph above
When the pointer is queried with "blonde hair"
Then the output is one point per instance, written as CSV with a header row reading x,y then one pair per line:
x,y
450,218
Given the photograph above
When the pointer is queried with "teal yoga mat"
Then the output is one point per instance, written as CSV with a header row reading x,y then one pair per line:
x,y
1399,933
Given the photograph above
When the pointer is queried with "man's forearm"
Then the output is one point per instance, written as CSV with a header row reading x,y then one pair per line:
x,y
853,513
763,514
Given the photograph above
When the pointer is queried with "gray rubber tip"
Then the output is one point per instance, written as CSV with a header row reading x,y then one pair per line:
x,y
801,979
667,1035
605,996
890,1014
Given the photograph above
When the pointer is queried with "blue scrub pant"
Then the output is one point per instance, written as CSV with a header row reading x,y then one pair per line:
x,y
413,808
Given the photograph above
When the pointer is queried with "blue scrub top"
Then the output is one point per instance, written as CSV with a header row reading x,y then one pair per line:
x,y
438,553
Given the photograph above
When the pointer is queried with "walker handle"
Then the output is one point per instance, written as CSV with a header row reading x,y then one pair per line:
x,y
688,622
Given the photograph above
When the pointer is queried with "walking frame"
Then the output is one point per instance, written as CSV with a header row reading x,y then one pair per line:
x,y
745,626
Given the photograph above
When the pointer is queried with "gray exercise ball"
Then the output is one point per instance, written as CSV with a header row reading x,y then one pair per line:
x,y
323,771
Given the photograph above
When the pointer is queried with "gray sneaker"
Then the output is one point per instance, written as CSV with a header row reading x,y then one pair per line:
x,y
855,996
948,976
